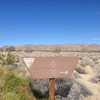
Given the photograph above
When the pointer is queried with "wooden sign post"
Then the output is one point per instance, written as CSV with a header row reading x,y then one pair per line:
x,y
51,68
51,89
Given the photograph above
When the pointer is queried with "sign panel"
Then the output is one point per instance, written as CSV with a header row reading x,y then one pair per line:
x,y
51,67
28,61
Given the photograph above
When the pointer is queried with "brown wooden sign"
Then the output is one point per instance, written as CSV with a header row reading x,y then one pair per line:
x,y
51,67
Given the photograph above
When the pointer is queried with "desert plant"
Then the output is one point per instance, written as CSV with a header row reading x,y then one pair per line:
x,y
10,59
75,93
40,88
76,75
96,77
28,50
13,87
83,63
7,59
84,90
1,71
10,49
2,59
87,61
63,87
57,50
81,70
78,92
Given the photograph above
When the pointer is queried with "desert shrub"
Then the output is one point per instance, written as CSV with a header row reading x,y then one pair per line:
x,y
10,59
94,57
92,64
12,82
84,90
28,50
93,60
76,74
1,71
10,49
78,92
96,77
81,70
10,96
7,59
71,89
86,61
3,62
1,49
66,89
75,93
40,88
17,59
83,63
57,50
13,87
60,98
2,59
63,87
14,96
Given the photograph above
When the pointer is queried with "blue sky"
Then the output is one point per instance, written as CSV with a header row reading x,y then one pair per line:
x,y
49,22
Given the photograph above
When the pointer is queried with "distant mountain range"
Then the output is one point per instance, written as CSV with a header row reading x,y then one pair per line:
x,y
56,47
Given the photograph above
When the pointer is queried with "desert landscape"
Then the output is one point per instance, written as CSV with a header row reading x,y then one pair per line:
x,y
16,83
49,49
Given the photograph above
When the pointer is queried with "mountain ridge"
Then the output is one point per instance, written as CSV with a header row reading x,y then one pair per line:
x,y
56,47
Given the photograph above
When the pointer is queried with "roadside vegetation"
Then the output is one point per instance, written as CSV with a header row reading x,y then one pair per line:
x,y
13,86
17,86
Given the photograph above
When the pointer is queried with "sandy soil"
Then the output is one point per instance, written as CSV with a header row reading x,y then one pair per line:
x,y
93,87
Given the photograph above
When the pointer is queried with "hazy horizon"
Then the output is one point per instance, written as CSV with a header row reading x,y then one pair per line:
x,y
50,44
